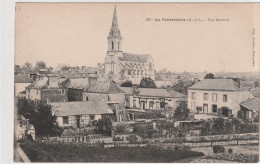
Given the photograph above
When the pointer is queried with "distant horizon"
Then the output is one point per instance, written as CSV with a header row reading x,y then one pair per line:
x,y
76,33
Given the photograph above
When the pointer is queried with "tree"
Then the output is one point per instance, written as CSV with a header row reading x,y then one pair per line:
x,y
209,76
181,112
104,125
127,84
27,65
41,64
40,116
147,83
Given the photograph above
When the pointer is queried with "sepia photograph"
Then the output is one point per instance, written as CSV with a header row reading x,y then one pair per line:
x,y
136,82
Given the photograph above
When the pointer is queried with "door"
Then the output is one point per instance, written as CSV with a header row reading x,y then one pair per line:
x,y
78,121
205,108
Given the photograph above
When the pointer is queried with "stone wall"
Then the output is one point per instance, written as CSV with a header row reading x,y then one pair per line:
x,y
54,95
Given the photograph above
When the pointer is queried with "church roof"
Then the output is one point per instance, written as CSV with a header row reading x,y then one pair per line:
x,y
135,57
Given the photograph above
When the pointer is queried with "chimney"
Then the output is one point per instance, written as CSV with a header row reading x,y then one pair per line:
x,y
196,80
83,68
169,88
92,79
53,82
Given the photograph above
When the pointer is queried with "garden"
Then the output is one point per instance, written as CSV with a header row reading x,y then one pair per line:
x,y
75,152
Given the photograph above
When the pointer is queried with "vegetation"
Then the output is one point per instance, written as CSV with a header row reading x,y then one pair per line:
x,y
147,83
183,86
231,126
218,149
72,152
127,84
209,76
40,116
104,125
182,112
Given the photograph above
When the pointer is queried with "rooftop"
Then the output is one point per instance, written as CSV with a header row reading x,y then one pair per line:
x,y
22,78
252,104
135,57
154,92
218,84
43,83
80,108
106,86
81,83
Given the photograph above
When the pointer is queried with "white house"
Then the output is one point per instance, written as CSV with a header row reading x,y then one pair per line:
x,y
214,97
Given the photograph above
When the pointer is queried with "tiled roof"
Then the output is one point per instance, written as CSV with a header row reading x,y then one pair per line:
x,y
81,83
159,93
91,70
255,92
252,104
217,84
22,78
42,83
127,90
106,86
153,92
135,57
80,108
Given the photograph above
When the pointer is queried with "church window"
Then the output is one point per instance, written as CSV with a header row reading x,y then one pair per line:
x,y
129,72
138,72
112,45
118,44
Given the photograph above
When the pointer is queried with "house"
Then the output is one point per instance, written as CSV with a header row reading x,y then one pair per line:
x,y
217,97
21,81
250,109
76,87
152,98
255,92
107,90
47,89
80,114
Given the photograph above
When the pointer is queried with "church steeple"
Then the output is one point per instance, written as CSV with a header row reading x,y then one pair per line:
x,y
114,37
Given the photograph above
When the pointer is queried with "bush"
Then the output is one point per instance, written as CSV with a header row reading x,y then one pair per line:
x,y
132,138
218,149
121,127
230,151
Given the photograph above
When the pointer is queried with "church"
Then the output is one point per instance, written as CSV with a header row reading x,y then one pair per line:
x,y
121,66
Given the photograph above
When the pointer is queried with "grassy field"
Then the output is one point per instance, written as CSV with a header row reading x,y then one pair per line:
x,y
62,152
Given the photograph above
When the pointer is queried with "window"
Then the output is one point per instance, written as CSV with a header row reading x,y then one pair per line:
x,y
129,72
108,98
63,91
158,105
205,97
214,97
86,98
224,98
134,103
138,72
65,120
37,91
214,108
112,45
151,105
193,106
193,95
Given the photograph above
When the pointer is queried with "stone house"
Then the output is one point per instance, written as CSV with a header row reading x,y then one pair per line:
x,y
216,97
47,89
80,114
152,98
107,90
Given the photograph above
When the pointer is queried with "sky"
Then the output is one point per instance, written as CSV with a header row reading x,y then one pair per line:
x,y
76,34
